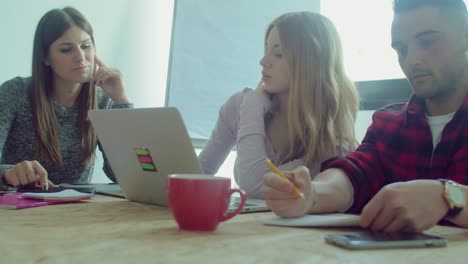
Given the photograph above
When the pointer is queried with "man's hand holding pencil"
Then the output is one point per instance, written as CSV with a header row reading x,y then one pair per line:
x,y
288,194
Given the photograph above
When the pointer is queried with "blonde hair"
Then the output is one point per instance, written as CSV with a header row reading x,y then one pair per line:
x,y
323,102
51,26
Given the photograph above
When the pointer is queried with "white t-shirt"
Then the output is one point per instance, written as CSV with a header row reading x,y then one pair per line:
x,y
437,124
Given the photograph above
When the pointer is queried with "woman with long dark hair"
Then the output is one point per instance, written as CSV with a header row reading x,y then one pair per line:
x,y
45,134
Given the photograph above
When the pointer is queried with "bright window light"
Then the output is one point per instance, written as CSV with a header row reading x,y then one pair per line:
x,y
364,27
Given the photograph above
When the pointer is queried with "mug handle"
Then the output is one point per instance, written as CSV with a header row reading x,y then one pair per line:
x,y
241,205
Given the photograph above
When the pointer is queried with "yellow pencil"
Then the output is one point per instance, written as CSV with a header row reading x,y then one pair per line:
x,y
277,171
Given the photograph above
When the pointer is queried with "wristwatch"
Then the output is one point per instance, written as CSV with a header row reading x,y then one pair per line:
x,y
454,196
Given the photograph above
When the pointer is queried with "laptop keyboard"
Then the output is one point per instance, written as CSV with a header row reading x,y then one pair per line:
x,y
235,202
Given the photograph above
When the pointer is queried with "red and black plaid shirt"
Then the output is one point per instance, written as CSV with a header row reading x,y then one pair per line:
x,y
398,147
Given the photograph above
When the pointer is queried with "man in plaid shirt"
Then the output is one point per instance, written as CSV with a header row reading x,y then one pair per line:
x,y
397,177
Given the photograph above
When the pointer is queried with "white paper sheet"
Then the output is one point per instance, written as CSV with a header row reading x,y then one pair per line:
x,y
65,195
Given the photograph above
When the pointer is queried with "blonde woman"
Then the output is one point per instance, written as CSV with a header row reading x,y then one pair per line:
x,y
302,113
45,134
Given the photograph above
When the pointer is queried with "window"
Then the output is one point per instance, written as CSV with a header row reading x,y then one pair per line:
x,y
364,27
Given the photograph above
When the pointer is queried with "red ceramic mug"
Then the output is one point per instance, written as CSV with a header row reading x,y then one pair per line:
x,y
200,202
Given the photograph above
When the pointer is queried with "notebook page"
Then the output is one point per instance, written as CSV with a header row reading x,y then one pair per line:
x,y
65,195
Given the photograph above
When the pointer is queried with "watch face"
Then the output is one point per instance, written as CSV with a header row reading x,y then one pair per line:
x,y
457,196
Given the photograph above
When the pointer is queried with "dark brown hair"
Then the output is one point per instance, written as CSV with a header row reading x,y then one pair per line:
x,y
51,27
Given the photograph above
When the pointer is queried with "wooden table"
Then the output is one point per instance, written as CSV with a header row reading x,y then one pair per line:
x,y
112,230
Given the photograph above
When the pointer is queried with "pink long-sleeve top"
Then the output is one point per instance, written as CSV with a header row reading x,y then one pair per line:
x,y
241,122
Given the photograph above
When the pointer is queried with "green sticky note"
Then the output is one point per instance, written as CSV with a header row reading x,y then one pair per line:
x,y
140,151
148,166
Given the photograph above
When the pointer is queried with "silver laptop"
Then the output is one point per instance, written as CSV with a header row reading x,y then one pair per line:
x,y
144,146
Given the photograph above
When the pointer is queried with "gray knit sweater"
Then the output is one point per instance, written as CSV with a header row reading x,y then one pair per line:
x,y
18,138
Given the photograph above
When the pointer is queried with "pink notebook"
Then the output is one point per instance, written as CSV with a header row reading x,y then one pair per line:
x,y
18,200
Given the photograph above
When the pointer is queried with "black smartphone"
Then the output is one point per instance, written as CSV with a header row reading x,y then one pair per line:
x,y
379,240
